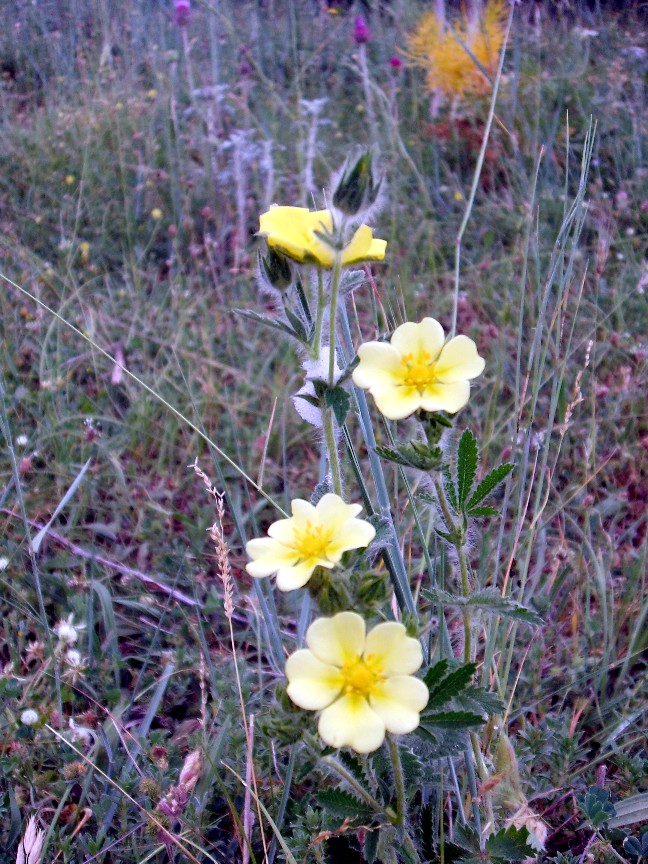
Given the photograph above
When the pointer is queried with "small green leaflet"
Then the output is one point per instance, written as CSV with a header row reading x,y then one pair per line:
x,y
509,844
489,483
450,685
467,459
489,600
339,802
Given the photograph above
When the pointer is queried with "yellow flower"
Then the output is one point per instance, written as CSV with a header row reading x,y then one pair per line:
x,y
418,369
156,214
449,67
312,537
291,230
362,683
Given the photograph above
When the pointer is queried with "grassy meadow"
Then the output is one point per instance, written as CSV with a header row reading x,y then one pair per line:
x,y
144,714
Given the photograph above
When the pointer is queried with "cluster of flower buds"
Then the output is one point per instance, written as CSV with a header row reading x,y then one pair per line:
x,y
361,31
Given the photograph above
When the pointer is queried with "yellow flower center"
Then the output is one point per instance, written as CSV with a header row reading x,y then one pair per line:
x,y
418,371
313,541
361,675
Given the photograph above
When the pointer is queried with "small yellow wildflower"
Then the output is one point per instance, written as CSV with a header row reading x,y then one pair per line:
x,y
362,683
418,369
291,230
312,537
152,93
450,68
156,214
69,179
84,251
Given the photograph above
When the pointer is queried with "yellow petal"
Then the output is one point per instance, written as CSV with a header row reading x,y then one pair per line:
x,y
396,403
380,363
398,702
362,247
396,652
332,510
268,556
459,361
412,338
354,534
337,639
350,722
312,685
292,578
445,397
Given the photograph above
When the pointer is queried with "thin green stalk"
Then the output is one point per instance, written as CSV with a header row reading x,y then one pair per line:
x,y
477,175
333,310
460,546
401,799
331,447
317,341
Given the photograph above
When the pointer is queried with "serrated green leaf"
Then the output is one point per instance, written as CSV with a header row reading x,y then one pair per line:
x,y
436,595
435,673
489,483
451,720
490,600
451,685
412,454
467,458
339,400
339,802
509,844
480,512
478,699
450,489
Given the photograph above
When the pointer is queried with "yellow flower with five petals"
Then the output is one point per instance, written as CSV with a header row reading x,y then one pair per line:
x,y
361,682
418,369
314,536
293,231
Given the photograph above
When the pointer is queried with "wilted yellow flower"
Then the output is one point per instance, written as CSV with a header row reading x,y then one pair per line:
x,y
435,48
362,683
312,537
418,369
291,230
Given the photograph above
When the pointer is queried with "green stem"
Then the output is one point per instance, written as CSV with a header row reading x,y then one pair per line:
x,y
401,799
459,544
335,288
328,419
317,342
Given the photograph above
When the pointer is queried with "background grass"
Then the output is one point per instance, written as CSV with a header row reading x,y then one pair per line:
x,y
135,157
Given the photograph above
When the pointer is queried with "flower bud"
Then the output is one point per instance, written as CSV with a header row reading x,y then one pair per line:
x,y
361,32
356,190
181,12
191,770
276,269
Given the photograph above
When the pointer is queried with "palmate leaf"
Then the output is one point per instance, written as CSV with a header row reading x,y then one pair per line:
x,y
489,483
339,802
467,459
